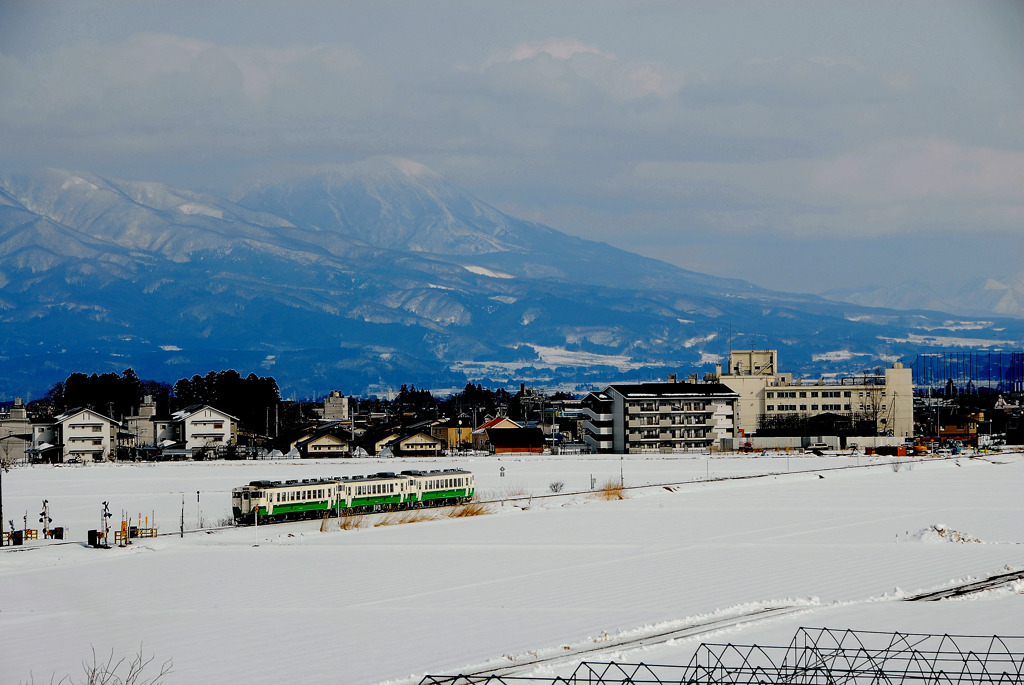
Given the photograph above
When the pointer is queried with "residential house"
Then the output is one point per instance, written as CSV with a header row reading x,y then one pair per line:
x,y
419,443
79,435
480,433
322,443
201,427
508,440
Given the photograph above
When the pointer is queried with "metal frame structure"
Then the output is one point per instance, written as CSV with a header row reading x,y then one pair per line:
x,y
816,656
970,369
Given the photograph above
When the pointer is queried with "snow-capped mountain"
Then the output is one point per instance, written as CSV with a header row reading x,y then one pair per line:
x,y
977,297
379,274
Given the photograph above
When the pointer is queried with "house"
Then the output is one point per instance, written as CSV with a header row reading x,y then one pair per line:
x,y
201,428
505,440
774,403
79,435
384,442
321,444
456,433
674,417
480,433
419,443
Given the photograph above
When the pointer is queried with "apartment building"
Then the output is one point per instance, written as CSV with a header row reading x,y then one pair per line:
x,y
658,417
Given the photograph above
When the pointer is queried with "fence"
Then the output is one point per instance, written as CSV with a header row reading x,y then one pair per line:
x,y
816,656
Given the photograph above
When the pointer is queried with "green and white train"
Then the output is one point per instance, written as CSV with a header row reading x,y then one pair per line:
x,y
264,501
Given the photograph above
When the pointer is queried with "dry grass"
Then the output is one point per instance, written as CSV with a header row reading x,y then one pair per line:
x,y
350,522
610,490
403,517
470,509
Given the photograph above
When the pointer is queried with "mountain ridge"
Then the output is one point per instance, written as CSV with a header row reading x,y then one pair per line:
x,y
382,275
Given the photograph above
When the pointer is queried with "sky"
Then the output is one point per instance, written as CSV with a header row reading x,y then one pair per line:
x,y
802,146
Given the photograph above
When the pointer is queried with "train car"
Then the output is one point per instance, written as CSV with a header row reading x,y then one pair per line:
x,y
264,501
285,501
379,492
441,488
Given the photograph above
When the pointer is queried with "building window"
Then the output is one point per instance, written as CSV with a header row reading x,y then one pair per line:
x,y
803,394
814,393
803,407
771,395
771,407
814,407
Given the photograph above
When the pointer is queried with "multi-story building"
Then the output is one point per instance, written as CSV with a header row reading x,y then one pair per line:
x,y
881,403
79,435
627,418
336,407
203,427
15,432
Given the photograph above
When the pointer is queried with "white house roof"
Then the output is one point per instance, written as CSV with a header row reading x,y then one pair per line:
x,y
71,413
194,409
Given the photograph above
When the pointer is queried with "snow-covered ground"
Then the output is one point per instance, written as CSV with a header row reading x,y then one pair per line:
x,y
545,575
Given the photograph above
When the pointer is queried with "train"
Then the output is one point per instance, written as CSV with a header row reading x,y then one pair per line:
x,y
265,501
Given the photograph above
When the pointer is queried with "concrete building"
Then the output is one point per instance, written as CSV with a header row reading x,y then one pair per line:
x,y
15,432
336,407
770,400
658,417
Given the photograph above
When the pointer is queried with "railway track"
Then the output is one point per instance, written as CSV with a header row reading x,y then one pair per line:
x,y
993,581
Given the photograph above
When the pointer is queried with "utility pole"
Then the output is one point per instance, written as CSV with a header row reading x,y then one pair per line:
x,y
5,466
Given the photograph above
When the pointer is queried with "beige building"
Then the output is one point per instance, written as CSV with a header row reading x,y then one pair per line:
x,y
80,435
770,397
336,407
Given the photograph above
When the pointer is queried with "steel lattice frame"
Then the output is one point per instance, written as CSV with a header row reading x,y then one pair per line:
x,y
816,656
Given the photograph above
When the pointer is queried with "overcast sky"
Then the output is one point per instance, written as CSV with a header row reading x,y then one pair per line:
x,y
800,146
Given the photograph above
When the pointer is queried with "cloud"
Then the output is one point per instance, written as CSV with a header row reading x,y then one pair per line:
x,y
565,48
918,169
161,93
567,63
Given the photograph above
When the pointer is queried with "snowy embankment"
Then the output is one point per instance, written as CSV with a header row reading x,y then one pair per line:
x,y
289,602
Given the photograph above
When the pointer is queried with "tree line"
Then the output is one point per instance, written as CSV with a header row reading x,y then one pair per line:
x,y
256,400
120,395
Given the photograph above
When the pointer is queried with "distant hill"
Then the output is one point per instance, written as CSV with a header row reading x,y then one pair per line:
x,y
977,297
378,274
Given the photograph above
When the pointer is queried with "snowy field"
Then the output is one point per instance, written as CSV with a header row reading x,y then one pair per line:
x,y
544,575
